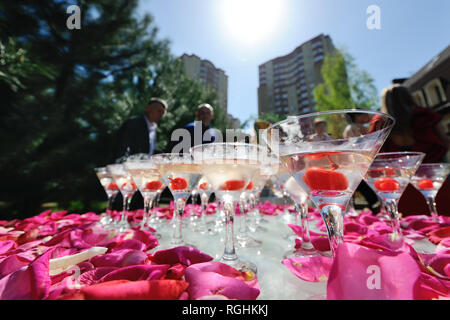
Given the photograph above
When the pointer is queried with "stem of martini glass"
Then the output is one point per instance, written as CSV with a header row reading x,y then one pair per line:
x,y
230,251
252,206
177,236
202,220
286,201
334,220
110,219
219,216
257,213
391,208
126,205
432,205
297,213
148,203
306,239
243,205
193,216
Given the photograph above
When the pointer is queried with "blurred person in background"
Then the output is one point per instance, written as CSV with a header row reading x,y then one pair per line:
x,y
201,125
321,129
417,129
138,134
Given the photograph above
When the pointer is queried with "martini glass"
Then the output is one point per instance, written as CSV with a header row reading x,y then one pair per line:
x,y
111,189
220,220
155,219
328,170
200,225
389,175
148,180
193,216
229,167
249,202
428,180
268,169
127,187
181,174
243,239
300,198
281,178
253,198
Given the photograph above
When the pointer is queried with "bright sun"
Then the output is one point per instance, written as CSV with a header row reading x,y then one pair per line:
x,y
252,21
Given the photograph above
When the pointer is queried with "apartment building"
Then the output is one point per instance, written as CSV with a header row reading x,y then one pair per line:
x,y
207,74
286,83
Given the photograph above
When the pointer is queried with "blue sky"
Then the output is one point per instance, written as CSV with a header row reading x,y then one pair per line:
x,y
239,35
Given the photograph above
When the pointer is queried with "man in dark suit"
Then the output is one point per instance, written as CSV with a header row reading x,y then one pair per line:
x,y
194,133
138,134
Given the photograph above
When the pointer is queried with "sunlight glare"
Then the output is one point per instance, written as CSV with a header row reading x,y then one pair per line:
x,y
252,21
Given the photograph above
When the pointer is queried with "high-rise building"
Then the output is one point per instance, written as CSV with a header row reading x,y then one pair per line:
x,y
286,83
207,74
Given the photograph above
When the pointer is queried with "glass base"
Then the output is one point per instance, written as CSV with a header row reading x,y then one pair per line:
x,y
304,253
256,228
122,226
105,220
260,220
248,242
287,217
240,265
109,226
207,228
290,237
352,213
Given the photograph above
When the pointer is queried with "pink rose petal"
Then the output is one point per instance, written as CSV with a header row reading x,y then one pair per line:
x,y
360,273
6,246
215,278
183,255
313,269
136,273
120,258
31,282
93,276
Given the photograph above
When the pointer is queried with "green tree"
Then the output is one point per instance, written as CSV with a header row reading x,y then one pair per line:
x,y
363,91
66,92
344,86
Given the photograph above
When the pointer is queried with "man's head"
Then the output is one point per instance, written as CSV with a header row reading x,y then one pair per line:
x,y
155,109
204,113
320,125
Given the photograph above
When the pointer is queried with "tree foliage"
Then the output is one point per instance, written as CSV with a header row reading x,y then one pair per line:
x,y
66,92
344,86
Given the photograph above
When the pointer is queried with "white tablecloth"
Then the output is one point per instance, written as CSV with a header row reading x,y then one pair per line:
x,y
275,280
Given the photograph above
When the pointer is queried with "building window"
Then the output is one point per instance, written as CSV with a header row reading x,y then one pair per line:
x,y
419,98
438,93
435,93
318,58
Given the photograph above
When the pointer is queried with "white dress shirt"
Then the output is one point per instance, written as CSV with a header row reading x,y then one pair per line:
x,y
151,126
